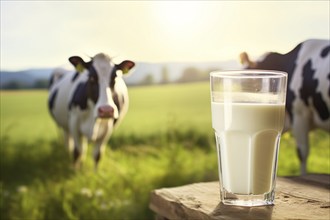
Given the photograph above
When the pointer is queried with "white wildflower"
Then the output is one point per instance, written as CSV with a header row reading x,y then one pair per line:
x,y
99,193
22,189
86,192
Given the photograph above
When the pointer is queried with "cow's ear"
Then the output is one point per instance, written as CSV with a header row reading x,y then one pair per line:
x,y
78,63
245,61
244,58
125,66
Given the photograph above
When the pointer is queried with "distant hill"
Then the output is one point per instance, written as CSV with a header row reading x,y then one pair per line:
x,y
26,78
142,70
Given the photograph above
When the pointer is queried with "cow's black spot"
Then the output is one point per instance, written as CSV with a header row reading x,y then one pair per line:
x,y
329,82
113,76
308,90
290,96
321,106
309,84
75,76
51,100
79,97
325,52
93,85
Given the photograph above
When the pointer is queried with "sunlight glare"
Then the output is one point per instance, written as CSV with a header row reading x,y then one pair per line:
x,y
178,15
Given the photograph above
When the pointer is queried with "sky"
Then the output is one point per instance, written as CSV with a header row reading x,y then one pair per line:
x,y
43,34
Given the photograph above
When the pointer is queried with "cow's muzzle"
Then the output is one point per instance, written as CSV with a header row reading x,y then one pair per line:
x,y
105,111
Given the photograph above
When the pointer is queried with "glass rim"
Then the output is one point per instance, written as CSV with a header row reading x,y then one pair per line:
x,y
248,73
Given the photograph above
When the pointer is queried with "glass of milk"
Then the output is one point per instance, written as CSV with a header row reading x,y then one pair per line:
x,y
248,110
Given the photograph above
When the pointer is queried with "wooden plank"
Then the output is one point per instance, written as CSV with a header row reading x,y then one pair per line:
x,y
312,187
296,198
322,179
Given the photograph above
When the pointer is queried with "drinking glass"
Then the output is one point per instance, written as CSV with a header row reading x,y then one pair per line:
x,y
248,113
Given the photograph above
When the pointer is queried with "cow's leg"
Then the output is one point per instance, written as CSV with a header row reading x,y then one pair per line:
x,y
300,131
79,150
76,150
68,141
80,145
99,149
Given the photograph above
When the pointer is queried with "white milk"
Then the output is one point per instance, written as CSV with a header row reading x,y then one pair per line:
x,y
248,134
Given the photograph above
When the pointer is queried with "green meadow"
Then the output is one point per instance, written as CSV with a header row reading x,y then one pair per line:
x,y
165,140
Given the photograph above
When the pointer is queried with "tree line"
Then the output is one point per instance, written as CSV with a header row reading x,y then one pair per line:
x,y
14,84
190,74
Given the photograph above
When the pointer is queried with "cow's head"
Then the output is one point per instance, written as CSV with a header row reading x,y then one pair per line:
x,y
269,61
101,80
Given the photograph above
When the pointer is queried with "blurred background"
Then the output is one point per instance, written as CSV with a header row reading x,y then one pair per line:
x,y
166,138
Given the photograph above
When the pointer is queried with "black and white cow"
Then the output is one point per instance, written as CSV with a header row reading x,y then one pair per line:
x,y
308,92
89,102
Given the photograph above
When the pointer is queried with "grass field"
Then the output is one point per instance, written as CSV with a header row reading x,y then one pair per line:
x,y
165,140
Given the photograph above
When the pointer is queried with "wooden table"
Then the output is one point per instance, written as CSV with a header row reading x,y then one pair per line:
x,y
305,197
